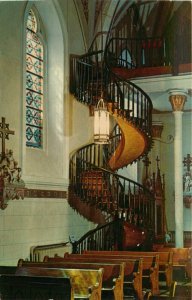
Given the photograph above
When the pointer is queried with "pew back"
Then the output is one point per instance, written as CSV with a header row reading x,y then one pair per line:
x,y
165,260
180,255
164,256
4,270
86,283
132,271
131,264
149,261
182,258
150,265
109,269
33,288
113,275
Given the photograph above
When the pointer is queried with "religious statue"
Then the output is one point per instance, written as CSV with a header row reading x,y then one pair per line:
x,y
187,180
11,184
9,169
167,237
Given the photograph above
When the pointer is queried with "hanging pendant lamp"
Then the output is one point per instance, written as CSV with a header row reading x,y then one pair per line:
x,y
101,123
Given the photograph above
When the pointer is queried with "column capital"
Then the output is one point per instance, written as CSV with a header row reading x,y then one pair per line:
x,y
177,99
157,128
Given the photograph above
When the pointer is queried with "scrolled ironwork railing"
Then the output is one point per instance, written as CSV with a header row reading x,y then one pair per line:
x,y
100,238
110,192
86,76
90,78
132,53
129,101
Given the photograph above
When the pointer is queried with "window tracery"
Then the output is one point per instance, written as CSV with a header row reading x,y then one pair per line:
x,y
34,82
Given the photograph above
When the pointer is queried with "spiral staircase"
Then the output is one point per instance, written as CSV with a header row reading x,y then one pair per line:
x,y
124,210
97,191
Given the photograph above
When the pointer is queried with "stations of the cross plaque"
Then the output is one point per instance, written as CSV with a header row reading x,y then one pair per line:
x,y
4,134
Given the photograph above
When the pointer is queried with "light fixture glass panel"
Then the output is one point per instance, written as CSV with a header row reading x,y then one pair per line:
x,y
101,124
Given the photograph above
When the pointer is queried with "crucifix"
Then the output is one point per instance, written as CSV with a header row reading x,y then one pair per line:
x,y
146,164
157,160
4,134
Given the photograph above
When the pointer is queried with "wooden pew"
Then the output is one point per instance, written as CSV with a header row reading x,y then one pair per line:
x,y
179,292
165,261
4,270
181,258
150,266
33,288
113,274
132,271
86,283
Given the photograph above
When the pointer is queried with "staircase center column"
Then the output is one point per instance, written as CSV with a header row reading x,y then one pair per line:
x,y
177,99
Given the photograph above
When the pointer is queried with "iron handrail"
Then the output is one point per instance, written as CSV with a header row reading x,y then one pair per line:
x,y
109,191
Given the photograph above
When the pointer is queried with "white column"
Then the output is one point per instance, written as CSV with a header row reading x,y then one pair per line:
x,y
178,180
177,99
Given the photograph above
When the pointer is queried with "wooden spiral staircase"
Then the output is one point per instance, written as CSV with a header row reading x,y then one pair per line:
x,y
97,191
123,209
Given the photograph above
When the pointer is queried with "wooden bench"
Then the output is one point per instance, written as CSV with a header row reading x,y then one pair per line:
x,y
132,271
165,261
181,258
4,270
113,274
150,265
33,288
86,283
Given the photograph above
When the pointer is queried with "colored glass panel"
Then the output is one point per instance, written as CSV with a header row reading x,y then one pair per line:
x,y
31,21
34,65
34,84
34,45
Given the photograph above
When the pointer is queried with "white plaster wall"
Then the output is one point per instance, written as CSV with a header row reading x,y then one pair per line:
x,y
81,125
11,70
31,222
51,159
74,27
64,36
167,164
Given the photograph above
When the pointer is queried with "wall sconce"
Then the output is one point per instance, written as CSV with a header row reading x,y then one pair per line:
x,y
101,123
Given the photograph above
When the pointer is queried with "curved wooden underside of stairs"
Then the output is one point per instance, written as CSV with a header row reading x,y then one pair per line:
x,y
88,211
132,145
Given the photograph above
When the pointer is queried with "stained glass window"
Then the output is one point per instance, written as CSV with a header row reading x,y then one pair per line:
x,y
34,83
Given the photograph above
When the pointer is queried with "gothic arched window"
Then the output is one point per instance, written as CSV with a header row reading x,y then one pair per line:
x,y
34,81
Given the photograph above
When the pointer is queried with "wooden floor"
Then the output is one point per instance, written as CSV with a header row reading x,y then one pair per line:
x,y
183,291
